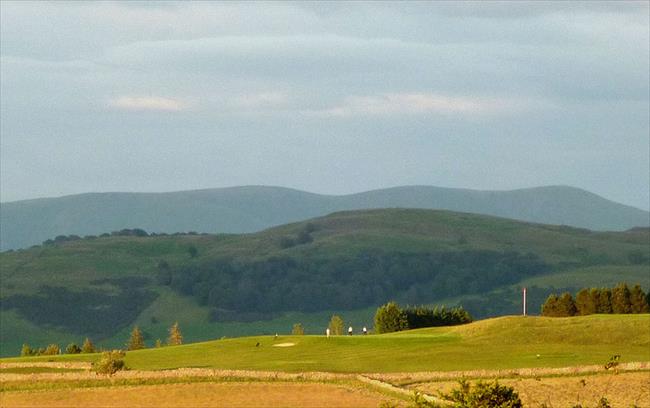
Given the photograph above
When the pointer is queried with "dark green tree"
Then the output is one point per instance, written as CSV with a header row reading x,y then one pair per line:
x,y
605,301
136,341
594,293
621,299
566,305
164,273
585,302
390,318
638,300
550,306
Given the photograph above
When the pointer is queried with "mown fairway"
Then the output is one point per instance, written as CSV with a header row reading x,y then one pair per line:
x,y
507,342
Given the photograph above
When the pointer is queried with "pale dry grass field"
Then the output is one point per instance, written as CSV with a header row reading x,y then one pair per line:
x,y
622,390
199,395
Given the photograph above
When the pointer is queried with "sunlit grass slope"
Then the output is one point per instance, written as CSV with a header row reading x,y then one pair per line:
x,y
506,342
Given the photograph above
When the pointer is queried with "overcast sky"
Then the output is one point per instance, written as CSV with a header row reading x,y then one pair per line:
x,y
326,97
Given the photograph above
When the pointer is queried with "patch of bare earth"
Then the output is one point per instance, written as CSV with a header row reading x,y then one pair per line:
x,y
201,395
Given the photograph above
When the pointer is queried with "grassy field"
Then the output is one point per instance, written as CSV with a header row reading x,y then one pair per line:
x,y
79,265
203,395
553,361
501,343
621,390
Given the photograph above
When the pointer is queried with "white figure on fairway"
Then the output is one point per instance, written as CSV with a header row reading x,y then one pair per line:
x,y
350,331
327,332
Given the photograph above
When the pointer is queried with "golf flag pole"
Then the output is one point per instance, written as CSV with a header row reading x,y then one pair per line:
x,y
524,303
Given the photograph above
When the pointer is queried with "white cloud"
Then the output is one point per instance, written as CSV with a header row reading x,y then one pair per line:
x,y
147,103
423,103
260,100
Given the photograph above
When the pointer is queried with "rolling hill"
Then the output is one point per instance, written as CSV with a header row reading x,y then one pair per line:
x,y
347,262
254,208
528,342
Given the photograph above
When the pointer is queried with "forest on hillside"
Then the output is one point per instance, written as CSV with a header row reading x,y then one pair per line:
x,y
281,284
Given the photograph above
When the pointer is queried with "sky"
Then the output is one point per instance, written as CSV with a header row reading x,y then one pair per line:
x,y
328,97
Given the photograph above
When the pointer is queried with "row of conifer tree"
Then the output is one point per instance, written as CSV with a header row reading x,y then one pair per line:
x,y
136,342
620,299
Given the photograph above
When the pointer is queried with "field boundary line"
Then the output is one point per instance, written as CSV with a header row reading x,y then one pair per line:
x,y
406,378
397,389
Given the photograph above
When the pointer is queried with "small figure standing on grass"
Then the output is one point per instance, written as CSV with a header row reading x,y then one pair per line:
x,y
350,331
327,332
365,330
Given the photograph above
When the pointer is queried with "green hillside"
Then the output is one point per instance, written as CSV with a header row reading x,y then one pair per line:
x,y
347,262
500,343
254,208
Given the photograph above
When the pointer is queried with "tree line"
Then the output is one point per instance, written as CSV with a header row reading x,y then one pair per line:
x,y
135,342
391,317
294,283
617,300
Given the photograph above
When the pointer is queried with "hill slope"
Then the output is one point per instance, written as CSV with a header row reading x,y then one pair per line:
x,y
264,282
254,208
525,342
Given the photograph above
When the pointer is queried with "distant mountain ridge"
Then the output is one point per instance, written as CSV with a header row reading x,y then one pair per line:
x,y
254,208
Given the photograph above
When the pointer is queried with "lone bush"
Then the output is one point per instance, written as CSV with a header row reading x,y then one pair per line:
x,y
298,330
72,348
88,346
51,350
336,325
110,363
484,394
26,350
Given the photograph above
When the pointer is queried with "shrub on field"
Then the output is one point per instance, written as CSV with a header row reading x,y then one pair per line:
x,y
603,403
298,330
336,325
72,348
88,346
26,350
51,350
483,395
110,363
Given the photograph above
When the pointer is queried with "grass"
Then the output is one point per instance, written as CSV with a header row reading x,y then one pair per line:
x,y
621,390
75,265
259,394
592,276
501,343
37,370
